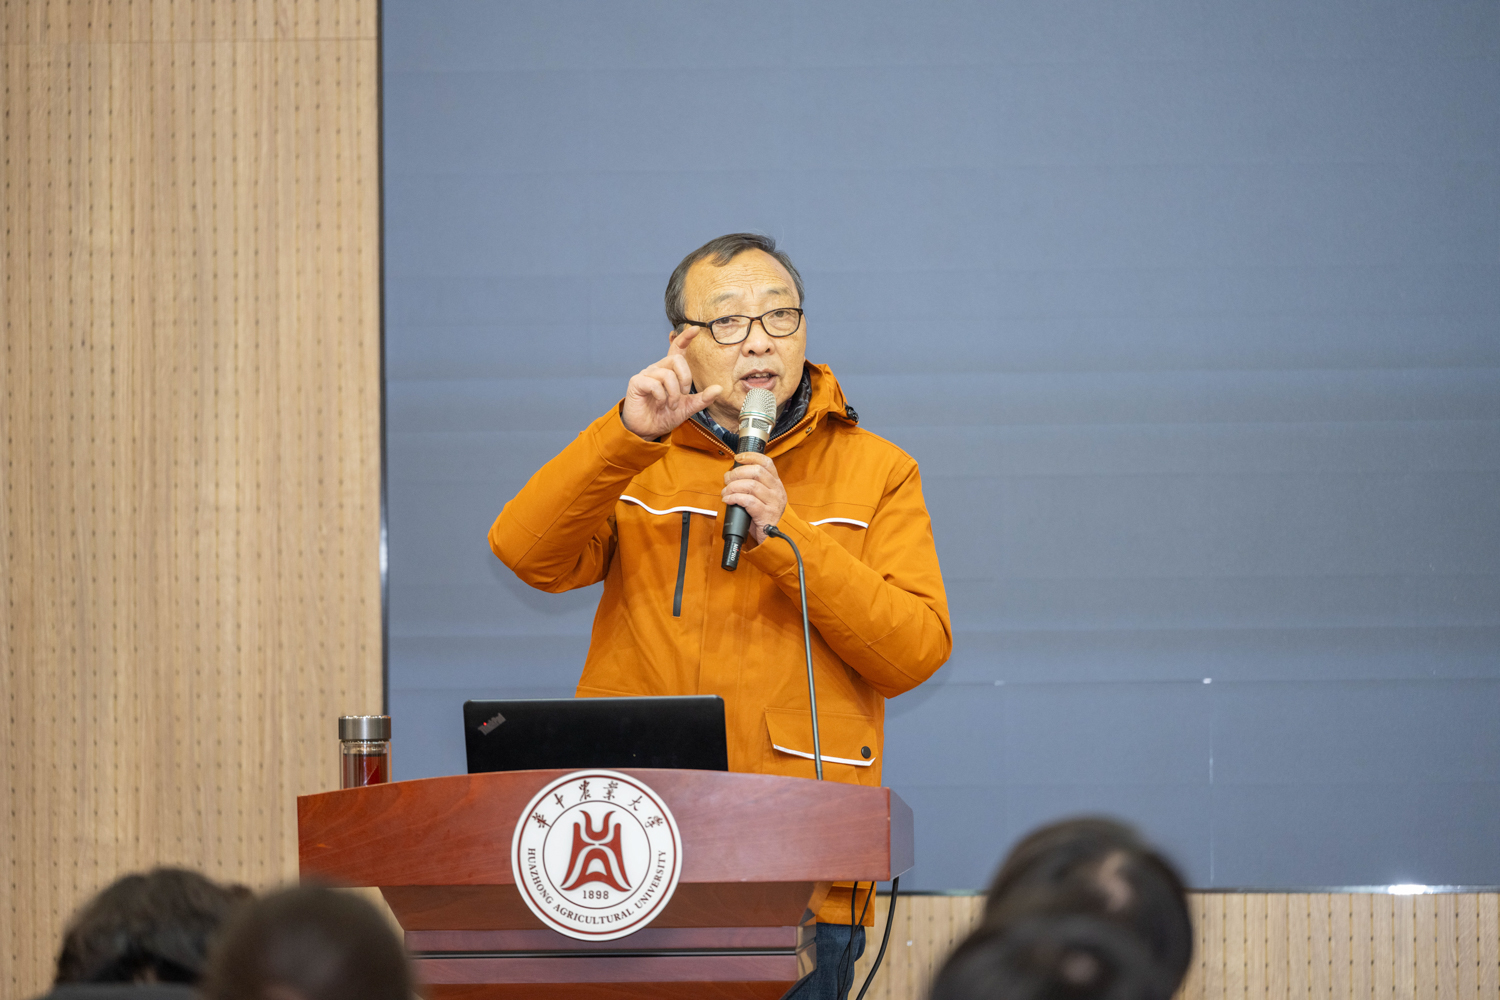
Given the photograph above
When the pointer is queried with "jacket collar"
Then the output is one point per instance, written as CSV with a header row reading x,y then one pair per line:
x,y
791,415
827,400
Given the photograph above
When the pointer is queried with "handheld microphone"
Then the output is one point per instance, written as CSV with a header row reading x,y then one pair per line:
x,y
757,417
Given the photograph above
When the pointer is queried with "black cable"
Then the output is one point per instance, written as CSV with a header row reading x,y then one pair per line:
x,y
812,691
846,961
885,939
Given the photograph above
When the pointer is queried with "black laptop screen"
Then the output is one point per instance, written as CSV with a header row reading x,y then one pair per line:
x,y
537,733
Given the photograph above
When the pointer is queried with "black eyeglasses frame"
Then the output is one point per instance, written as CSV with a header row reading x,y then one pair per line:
x,y
753,319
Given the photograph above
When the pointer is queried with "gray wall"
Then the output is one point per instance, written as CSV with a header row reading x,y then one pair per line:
x,y
1189,311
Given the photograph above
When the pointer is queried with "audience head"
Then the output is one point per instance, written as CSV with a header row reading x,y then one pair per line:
x,y
1100,868
309,943
151,928
1053,957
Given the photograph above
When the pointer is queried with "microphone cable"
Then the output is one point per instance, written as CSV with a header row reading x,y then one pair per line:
x,y
847,959
812,697
885,939
812,691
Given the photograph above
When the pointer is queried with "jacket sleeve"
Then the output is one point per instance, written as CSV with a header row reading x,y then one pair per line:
x,y
885,616
558,533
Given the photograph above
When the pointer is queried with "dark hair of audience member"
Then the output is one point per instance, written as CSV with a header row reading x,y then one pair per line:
x,y
151,928
1053,957
1099,867
309,943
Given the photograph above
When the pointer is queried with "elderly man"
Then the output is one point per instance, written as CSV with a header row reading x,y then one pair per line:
x,y
637,499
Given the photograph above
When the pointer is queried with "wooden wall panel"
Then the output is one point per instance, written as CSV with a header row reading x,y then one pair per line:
x,y
1277,946
189,418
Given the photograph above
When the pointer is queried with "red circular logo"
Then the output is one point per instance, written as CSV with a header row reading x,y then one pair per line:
x,y
596,855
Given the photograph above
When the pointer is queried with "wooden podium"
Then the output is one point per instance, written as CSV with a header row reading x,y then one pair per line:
x,y
759,853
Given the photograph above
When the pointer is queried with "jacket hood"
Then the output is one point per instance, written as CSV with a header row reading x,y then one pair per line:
x,y
828,395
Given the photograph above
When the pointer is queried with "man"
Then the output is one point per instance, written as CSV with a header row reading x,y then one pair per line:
x,y
309,943
145,937
637,501
1101,868
1082,908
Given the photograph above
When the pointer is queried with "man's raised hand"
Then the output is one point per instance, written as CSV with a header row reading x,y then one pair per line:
x,y
658,397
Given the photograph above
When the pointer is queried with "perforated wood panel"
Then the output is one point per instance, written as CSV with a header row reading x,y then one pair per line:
x,y
189,417
1263,945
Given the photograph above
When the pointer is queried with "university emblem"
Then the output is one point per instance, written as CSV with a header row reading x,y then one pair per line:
x,y
596,855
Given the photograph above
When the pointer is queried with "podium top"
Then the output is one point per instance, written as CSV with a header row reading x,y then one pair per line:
x,y
735,828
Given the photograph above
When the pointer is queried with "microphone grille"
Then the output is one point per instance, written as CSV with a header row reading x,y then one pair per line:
x,y
759,403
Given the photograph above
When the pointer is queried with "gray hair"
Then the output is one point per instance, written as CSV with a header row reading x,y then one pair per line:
x,y
722,251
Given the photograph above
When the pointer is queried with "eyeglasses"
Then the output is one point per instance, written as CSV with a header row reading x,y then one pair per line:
x,y
728,330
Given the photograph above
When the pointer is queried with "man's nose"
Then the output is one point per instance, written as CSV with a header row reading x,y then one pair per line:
x,y
757,339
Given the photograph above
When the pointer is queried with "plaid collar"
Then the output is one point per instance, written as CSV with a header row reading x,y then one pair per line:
x,y
793,412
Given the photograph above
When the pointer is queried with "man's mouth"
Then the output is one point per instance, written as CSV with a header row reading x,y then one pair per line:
x,y
759,380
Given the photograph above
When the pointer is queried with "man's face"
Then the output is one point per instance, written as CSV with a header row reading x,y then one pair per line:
x,y
749,285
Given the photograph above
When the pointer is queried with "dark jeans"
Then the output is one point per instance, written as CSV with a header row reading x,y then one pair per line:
x,y
823,984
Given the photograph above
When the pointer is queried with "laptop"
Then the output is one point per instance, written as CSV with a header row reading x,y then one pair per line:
x,y
534,733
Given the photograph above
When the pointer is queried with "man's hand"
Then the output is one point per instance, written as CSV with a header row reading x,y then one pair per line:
x,y
755,486
657,399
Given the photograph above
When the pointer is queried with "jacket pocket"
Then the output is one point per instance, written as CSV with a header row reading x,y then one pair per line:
x,y
844,522
655,522
845,738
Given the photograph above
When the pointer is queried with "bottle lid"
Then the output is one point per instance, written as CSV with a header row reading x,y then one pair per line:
x,y
364,727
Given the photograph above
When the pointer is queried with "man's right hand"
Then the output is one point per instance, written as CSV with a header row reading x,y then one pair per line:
x,y
657,399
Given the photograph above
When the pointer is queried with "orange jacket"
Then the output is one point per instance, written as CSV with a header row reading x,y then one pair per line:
x,y
645,517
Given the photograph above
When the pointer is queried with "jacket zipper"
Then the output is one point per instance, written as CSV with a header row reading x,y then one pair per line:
x,y
681,565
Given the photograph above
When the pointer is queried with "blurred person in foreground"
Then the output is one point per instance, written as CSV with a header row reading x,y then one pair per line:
x,y
309,943
145,936
1052,957
1080,908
